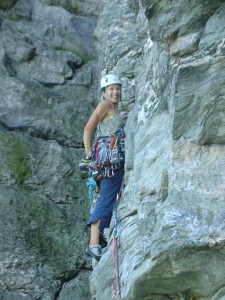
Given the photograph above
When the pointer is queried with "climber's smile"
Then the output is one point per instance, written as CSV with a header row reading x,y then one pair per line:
x,y
113,93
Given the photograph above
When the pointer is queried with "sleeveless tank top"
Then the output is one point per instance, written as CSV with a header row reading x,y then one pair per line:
x,y
110,126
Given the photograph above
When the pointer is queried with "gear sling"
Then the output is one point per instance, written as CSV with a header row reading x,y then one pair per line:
x,y
107,153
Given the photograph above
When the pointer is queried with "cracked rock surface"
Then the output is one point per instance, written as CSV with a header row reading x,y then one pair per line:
x,y
170,55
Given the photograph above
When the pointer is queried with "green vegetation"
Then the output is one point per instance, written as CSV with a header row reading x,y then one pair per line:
x,y
20,162
73,10
6,3
46,239
84,56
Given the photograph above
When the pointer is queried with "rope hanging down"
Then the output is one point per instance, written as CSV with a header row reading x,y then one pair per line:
x,y
115,250
92,184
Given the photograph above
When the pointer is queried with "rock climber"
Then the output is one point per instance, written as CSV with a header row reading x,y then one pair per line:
x,y
105,122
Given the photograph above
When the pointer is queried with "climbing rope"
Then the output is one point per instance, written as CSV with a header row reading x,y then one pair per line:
x,y
92,184
115,250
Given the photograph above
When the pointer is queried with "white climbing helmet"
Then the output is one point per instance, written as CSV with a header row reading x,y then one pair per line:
x,y
110,79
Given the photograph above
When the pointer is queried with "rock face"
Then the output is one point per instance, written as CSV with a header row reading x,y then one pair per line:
x,y
48,89
170,55
172,243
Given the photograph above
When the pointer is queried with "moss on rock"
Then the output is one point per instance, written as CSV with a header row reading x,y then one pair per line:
x,y
20,162
16,149
4,4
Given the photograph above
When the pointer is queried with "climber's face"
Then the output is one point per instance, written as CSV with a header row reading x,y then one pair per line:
x,y
113,93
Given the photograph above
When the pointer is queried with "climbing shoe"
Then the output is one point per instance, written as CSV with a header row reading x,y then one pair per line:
x,y
102,240
95,252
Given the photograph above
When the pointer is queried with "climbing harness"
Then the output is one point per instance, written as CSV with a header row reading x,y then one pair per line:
x,y
115,249
107,153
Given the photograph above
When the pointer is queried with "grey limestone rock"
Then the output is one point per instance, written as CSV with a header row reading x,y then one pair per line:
x,y
170,56
171,213
47,93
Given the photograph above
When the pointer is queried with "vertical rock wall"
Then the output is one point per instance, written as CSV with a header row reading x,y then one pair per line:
x,y
170,55
172,211
48,89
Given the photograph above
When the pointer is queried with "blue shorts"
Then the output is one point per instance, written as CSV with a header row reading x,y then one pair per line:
x,y
110,187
